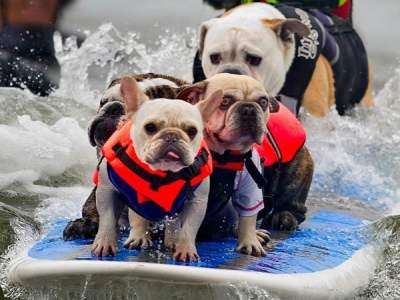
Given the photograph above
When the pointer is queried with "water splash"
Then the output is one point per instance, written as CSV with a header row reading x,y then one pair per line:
x,y
86,71
356,157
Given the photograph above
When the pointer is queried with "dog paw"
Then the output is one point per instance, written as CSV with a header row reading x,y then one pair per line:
x,y
104,245
251,246
185,252
138,241
284,221
169,242
263,236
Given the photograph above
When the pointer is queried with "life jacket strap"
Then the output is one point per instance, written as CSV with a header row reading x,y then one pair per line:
x,y
156,181
229,157
257,176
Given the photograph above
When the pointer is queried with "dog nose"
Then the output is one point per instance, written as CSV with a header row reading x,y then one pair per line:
x,y
170,138
232,71
247,111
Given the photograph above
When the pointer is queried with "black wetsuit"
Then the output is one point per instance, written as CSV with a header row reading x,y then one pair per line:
x,y
27,59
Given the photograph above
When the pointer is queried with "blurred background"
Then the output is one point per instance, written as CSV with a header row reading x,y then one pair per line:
x,y
376,21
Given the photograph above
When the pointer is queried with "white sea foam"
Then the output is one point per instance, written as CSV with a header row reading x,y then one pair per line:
x,y
41,138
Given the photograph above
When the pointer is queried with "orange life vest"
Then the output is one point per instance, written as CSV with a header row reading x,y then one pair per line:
x,y
284,138
151,193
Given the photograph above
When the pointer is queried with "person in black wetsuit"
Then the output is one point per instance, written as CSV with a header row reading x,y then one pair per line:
x,y
27,58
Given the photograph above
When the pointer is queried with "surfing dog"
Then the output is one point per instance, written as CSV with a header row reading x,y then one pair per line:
x,y
237,126
159,136
100,129
259,41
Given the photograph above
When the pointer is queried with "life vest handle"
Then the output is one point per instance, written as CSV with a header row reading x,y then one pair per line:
x,y
156,181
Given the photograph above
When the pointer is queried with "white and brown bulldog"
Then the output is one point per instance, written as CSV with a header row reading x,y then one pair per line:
x,y
258,40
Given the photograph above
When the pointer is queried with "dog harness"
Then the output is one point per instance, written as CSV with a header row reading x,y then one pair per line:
x,y
331,35
284,138
153,194
334,38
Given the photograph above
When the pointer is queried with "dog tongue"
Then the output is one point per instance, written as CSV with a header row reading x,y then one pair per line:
x,y
173,155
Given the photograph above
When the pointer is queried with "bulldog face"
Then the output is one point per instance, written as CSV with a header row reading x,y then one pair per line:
x,y
254,40
166,133
240,120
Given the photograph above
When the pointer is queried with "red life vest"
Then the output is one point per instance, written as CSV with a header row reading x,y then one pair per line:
x,y
151,193
284,138
344,10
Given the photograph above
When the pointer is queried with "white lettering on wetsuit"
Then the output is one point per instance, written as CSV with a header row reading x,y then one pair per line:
x,y
309,44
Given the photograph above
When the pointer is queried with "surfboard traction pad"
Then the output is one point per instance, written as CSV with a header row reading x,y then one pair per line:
x,y
324,241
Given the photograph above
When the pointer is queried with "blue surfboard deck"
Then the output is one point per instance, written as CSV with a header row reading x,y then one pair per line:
x,y
325,240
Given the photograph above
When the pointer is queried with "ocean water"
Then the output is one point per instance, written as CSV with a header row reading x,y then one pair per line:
x,y
46,160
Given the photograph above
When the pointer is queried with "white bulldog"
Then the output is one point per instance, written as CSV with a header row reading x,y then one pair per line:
x,y
258,40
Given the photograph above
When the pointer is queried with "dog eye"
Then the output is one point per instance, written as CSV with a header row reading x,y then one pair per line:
x,y
191,132
253,60
215,58
263,101
226,102
150,128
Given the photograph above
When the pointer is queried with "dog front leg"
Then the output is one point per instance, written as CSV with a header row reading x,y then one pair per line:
x,y
109,209
139,236
248,239
172,230
190,219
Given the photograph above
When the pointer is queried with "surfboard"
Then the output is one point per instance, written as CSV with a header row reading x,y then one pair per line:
x,y
329,256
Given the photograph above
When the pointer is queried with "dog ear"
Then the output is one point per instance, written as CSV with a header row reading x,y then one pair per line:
x,y
203,32
208,106
193,93
132,94
284,28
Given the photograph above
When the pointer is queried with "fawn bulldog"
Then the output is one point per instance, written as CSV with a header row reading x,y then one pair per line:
x,y
160,164
240,134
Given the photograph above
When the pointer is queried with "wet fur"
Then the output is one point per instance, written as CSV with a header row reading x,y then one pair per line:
x,y
290,192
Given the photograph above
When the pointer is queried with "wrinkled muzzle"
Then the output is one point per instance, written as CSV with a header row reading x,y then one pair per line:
x,y
169,150
249,120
